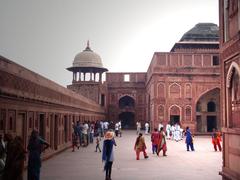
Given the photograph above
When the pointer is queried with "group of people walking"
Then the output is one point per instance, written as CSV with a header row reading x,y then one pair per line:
x,y
82,134
13,155
158,139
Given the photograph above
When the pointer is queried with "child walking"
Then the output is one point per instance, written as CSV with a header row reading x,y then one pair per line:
x,y
98,139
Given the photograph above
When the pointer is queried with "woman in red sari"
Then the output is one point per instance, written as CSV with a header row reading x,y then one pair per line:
x,y
216,140
162,145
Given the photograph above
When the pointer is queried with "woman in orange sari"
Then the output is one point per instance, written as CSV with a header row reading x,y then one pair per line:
x,y
162,145
216,140
140,146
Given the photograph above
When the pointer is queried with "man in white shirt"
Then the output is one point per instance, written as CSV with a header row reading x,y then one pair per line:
x,y
146,127
168,130
138,127
117,129
173,131
105,126
85,133
120,128
177,132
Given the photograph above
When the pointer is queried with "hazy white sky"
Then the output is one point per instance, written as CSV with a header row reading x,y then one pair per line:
x,y
45,35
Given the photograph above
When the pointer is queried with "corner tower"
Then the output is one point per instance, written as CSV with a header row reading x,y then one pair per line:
x,y
87,69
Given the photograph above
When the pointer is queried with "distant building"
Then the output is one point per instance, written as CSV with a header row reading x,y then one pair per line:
x,y
229,18
181,86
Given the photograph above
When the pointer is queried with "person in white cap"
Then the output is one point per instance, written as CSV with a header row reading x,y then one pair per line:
x,y
107,153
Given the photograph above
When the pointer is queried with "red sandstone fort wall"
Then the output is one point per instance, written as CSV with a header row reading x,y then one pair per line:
x,y
29,101
176,82
134,88
229,20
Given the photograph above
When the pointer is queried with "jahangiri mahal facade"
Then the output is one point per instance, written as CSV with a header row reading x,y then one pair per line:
x,y
180,86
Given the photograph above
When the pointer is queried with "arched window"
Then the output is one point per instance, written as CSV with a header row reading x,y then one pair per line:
x,y
188,91
161,90
175,90
161,112
211,107
188,113
235,89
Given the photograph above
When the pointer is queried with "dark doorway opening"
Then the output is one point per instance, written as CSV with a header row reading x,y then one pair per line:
x,y
127,120
211,107
21,123
41,125
199,123
52,131
126,102
65,129
102,99
211,123
174,119
56,132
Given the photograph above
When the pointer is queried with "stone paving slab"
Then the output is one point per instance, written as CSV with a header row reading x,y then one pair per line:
x,y
85,164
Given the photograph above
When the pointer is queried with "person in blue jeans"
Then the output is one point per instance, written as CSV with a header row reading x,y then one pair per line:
x,y
189,139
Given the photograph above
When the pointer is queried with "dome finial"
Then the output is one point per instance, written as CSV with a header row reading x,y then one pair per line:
x,y
88,44
88,47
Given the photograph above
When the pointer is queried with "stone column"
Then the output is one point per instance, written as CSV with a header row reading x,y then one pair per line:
x,y
91,75
94,77
79,77
100,77
75,76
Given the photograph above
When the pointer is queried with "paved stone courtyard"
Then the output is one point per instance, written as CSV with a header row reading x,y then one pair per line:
x,y
85,164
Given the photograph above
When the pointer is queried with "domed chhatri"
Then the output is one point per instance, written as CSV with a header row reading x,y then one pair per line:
x,y
87,62
87,58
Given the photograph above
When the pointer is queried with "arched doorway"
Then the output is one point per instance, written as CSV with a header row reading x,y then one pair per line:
x,y
207,111
126,102
126,115
174,114
127,120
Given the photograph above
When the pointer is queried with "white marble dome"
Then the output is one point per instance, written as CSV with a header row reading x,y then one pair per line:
x,y
87,58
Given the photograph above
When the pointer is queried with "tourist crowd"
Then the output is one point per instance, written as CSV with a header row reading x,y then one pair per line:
x,y
84,132
13,153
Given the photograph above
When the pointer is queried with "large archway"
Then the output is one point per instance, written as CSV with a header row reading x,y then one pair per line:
x,y
126,102
208,111
127,119
126,114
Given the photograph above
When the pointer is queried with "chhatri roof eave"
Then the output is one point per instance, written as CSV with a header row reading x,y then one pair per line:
x,y
86,69
126,72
